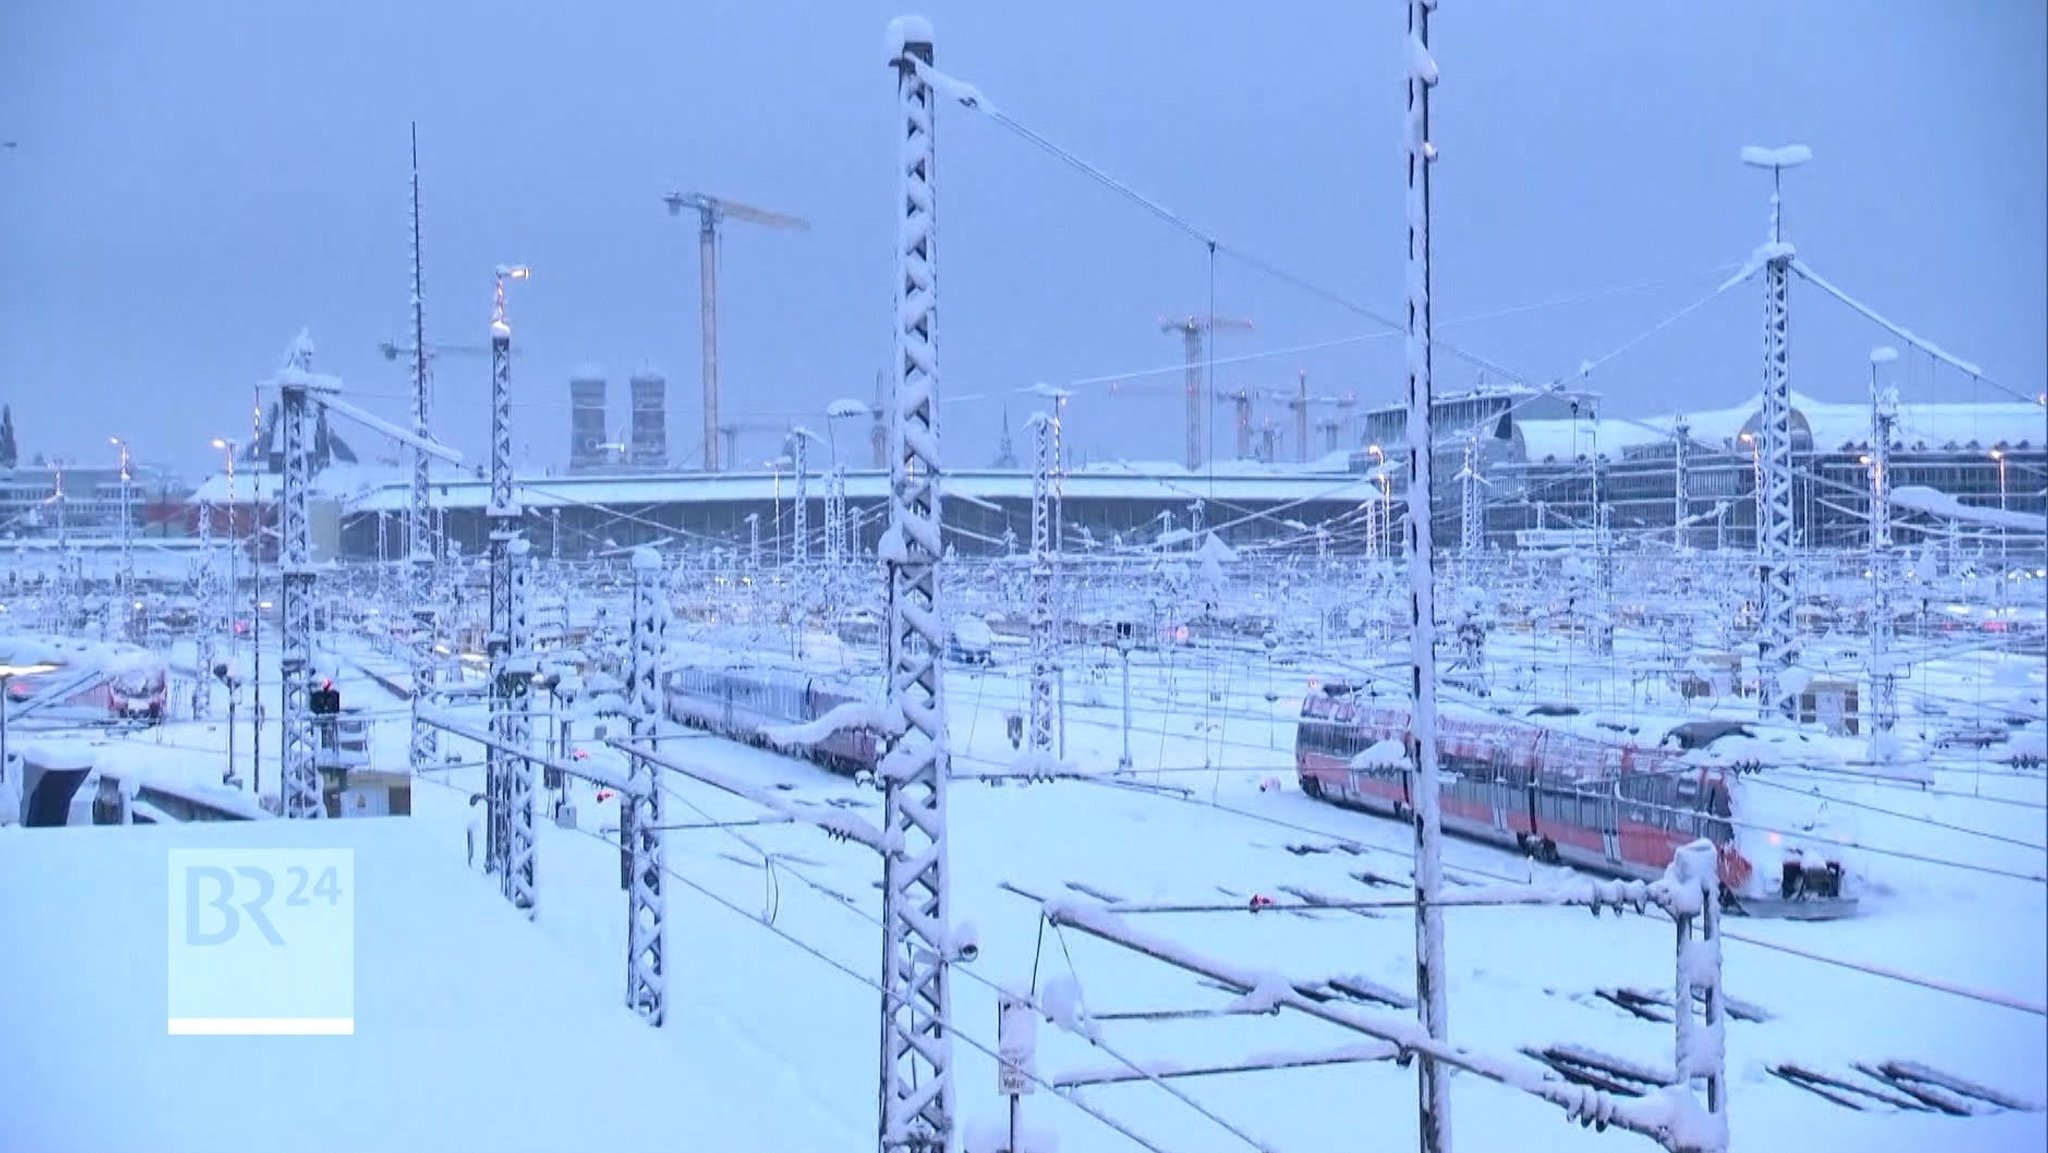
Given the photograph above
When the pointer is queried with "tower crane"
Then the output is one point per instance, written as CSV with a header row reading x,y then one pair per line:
x,y
1192,330
710,211
1300,401
392,349
732,429
1240,400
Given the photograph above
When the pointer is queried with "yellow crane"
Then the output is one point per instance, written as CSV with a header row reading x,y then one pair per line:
x,y
711,211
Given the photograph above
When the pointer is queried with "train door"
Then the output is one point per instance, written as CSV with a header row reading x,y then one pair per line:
x,y
1609,810
1609,806
1499,790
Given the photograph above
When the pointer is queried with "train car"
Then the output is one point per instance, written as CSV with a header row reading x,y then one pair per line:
x,y
745,702
92,681
1605,806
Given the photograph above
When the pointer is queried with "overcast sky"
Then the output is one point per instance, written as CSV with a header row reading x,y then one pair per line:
x,y
193,182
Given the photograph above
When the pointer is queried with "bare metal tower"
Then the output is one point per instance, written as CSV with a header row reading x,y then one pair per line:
x,y
587,436
917,1113
649,443
1432,1077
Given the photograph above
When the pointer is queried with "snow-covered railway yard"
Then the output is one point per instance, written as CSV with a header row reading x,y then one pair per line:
x,y
397,798
774,928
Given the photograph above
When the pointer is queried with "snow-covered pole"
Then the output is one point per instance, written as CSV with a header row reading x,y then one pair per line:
x,y
1701,1056
503,515
1432,1077
1884,681
835,540
1603,571
800,510
1471,509
208,596
647,924
516,725
917,1051
1681,482
299,789
1777,638
1042,621
124,584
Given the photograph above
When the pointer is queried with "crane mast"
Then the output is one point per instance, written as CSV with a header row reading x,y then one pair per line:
x,y
711,211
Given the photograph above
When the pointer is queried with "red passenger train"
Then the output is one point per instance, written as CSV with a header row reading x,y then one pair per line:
x,y
1609,807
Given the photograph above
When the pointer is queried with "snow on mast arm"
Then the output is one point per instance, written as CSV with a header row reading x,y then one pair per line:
x,y
1926,346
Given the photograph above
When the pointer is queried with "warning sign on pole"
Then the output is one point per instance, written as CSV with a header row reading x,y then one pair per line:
x,y
1017,1044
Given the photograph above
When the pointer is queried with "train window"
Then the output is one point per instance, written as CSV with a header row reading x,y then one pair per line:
x,y
1688,790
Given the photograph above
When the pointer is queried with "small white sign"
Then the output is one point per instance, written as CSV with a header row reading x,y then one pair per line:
x,y
1017,1044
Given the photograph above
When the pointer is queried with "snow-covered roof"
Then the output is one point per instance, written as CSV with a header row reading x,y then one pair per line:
x,y
1167,484
1835,426
1839,427
1577,439
337,481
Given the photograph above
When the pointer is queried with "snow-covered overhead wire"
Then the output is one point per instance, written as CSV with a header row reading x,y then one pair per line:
x,y
1928,821
1214,243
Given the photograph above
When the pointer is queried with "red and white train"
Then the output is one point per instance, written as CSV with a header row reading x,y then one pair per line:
x,y
87,681
1611,807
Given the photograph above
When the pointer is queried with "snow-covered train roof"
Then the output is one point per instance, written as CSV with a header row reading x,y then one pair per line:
x,y
33,648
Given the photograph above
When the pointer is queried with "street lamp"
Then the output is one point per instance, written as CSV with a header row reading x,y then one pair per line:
x,y
8,673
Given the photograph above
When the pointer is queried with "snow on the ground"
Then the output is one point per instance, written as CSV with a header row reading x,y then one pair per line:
x,y
473,1031
770,1047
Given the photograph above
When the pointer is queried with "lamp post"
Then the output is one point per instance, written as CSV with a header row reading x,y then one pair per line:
x,y
8,673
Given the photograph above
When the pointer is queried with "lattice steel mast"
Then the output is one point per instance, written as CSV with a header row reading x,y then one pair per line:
x,y
419,535
1043,622
300,785
1884,681
1777,636
508,776
1681,482
916,1087
647,925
